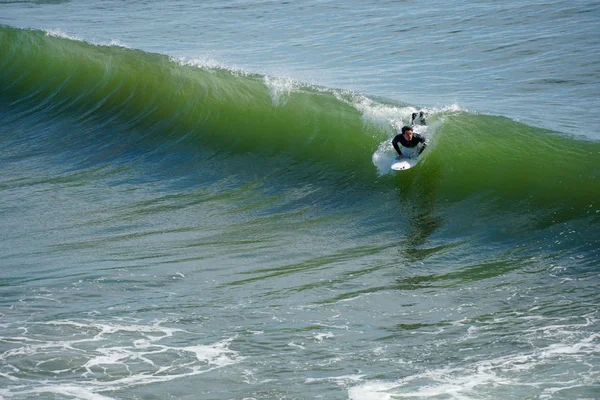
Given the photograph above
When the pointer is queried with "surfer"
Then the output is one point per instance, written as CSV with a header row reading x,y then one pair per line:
x,y
418,119
409,142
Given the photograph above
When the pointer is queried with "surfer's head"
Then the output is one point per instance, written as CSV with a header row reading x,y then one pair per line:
x,y
407,132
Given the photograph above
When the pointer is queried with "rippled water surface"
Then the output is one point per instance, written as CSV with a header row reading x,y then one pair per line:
x,y
196,201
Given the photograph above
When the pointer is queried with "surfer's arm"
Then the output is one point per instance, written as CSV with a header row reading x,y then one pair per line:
x,y
421,140
396,147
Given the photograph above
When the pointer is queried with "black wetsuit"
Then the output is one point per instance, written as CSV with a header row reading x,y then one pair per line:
x,y
416,139
418,119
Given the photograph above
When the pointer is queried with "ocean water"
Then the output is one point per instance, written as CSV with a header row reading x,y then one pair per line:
x,y
196,201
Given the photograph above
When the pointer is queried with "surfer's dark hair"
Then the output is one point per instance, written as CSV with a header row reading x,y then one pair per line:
x,y
406,128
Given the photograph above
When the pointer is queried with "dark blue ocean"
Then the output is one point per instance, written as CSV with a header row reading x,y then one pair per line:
x,y
196,200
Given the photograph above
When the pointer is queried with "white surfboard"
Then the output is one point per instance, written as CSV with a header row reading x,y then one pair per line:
x,y
409,160
404,163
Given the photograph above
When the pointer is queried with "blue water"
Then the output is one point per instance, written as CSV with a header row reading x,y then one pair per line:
x,y
196,202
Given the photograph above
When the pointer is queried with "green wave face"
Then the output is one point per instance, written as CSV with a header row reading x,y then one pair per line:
x,y
326,135
216,105
483,154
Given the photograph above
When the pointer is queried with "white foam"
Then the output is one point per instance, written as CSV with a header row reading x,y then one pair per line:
x,y
451,108
280,89
443,382
384,157
103,350
373,390
574,348
319,337
77,392
215,354
62,34
340,380
382,114
208,63
108,356
514,370
112,43
585,346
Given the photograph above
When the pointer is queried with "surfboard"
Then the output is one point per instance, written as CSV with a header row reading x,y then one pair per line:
x,y
409,161
404,163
